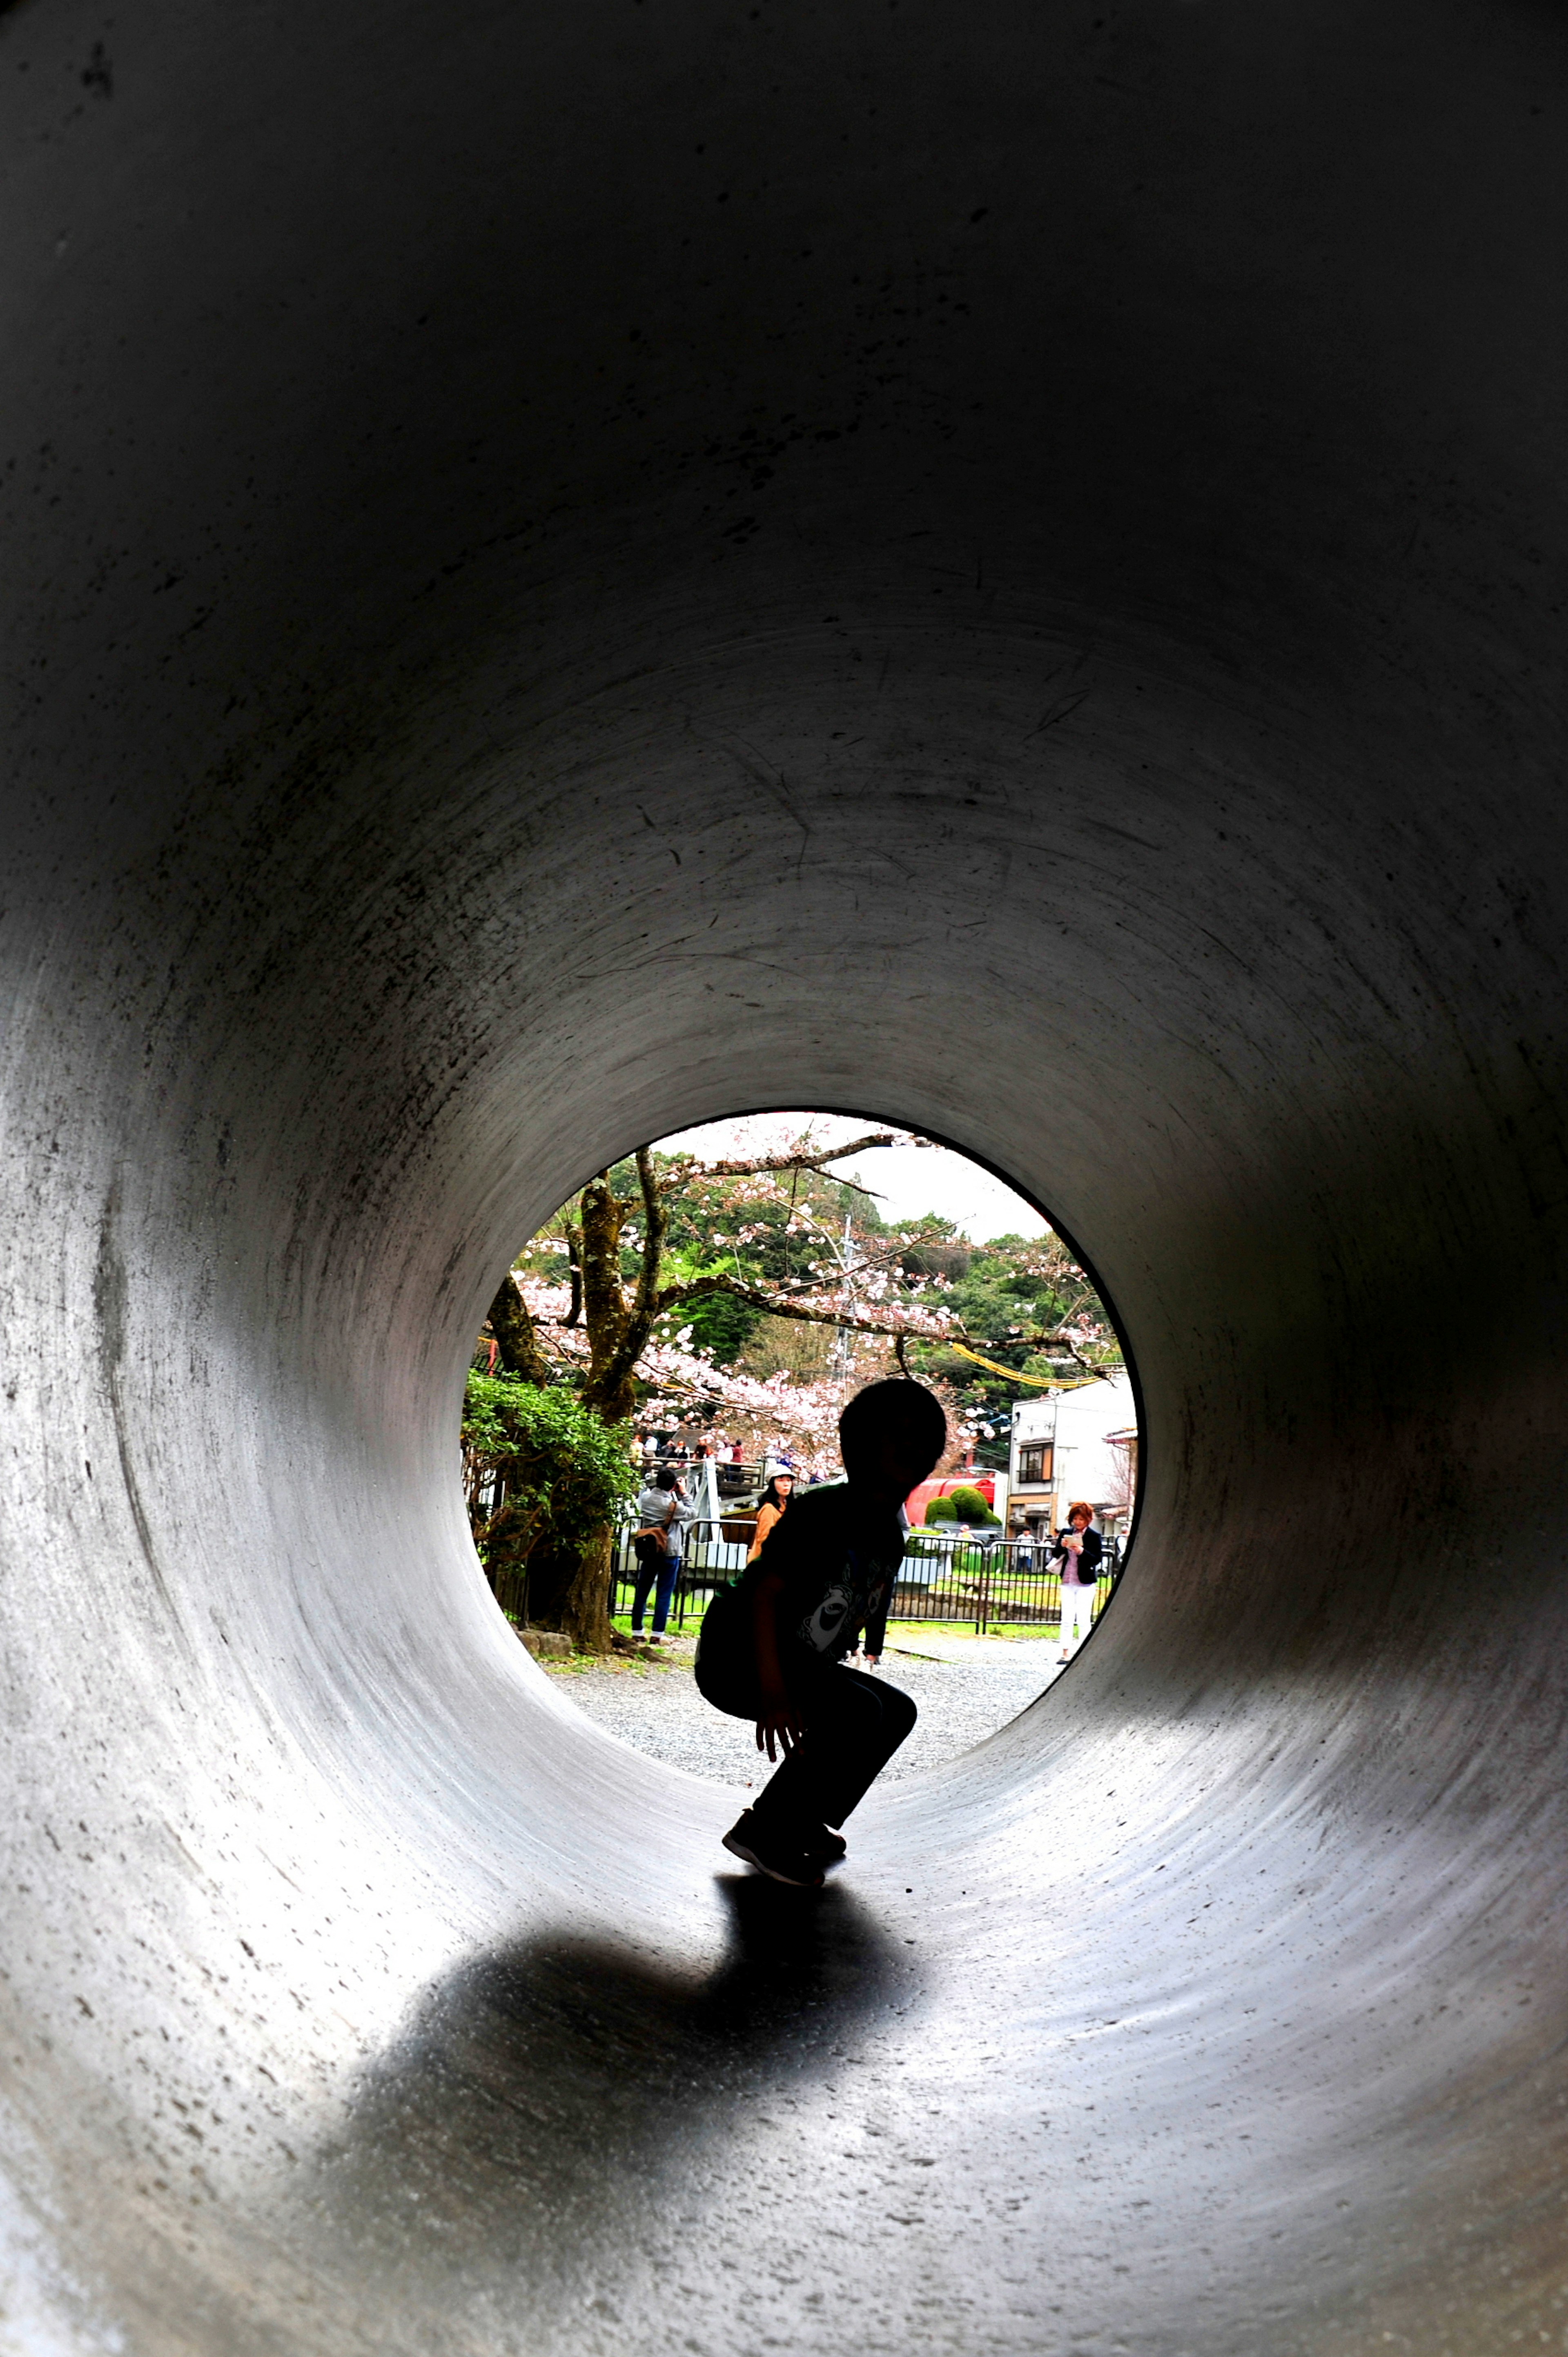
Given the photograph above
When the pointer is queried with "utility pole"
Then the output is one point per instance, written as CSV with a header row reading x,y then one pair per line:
x,y
842,1341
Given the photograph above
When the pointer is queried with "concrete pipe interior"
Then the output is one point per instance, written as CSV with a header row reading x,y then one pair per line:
x,y
568,571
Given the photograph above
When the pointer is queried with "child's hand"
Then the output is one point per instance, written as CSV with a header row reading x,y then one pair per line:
x,y
778,1720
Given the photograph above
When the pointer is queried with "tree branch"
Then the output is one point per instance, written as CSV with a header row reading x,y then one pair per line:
x,y
645,1302
1059,1340
700,1288
796,1160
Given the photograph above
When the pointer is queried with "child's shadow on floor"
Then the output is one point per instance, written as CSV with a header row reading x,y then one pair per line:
x,y
542,2088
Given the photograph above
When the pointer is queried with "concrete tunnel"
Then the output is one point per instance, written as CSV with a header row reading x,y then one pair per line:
x,y
570,571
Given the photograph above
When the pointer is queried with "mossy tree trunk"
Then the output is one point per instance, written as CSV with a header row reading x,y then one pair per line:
x,y
517,1344
569,1591
577,1594
585,1609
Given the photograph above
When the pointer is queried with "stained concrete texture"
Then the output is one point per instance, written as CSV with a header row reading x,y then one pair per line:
x,y
569,571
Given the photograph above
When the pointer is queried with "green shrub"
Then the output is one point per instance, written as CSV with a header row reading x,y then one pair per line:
x,y
566,1473
940,1510
970,1506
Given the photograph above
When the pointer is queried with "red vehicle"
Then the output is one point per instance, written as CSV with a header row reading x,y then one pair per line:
x,y
917,1499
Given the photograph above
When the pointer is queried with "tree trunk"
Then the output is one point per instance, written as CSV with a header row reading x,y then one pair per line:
x,y
586,1617
569,1589
517,1344
507,1539
617,1333
608,1388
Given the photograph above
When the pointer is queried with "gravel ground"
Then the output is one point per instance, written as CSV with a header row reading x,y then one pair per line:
x,y
979,1685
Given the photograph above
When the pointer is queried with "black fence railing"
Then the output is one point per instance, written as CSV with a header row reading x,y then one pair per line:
x,y
1000,1584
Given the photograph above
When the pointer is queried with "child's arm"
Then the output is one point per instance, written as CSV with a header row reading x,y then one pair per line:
x,y
778,1720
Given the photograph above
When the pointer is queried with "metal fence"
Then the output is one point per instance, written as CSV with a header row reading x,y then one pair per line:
x,y
1000,1584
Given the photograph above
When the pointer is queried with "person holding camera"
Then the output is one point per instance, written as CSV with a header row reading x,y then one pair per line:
x,y
663,1512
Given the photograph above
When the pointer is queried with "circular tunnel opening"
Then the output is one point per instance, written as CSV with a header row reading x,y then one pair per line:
x,y
660,1377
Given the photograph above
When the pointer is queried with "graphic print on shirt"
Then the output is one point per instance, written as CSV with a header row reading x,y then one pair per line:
x,y
821,1629
852,1600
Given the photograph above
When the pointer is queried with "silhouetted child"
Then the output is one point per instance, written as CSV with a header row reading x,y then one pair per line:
x,y
772,1643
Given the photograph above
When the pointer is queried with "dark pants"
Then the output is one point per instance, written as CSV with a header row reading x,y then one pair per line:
x,y
655,1565
853,1723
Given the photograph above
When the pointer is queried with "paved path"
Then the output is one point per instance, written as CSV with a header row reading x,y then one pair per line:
x,y
966,1687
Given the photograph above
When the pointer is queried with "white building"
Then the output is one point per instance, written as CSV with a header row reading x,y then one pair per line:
x,y
1072,1443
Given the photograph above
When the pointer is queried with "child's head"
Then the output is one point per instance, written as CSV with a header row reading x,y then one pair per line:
x,y
890,1435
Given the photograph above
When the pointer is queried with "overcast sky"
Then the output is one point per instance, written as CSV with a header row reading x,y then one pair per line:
x,y
908,1181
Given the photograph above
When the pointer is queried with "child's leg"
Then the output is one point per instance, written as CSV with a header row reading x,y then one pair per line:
x,y
725,1667
853,1726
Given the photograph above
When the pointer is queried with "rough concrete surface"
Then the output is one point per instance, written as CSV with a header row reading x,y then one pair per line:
x,y
571,571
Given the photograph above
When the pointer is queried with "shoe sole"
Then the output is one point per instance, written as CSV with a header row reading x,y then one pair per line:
x,y
794,1881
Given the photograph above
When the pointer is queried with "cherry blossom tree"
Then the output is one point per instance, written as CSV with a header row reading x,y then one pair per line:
x,y
602,1323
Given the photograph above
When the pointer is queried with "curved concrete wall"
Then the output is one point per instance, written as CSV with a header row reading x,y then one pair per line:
x,y
572,570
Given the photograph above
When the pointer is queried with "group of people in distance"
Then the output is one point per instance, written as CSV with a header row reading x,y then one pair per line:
x,y
649,1448
818,1582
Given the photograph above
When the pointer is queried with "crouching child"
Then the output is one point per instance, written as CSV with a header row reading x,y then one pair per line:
x,y
772,1645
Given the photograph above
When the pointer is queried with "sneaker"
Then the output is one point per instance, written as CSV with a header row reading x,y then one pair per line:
x,y
830,1847
778,1854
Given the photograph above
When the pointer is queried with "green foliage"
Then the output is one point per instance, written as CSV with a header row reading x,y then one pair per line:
x,y
718,1324
566,1473
940,1510
722,1325
970,1506
708,1233
1004,1290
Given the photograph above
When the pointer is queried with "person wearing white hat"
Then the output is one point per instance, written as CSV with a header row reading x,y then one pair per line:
x,y
775,1499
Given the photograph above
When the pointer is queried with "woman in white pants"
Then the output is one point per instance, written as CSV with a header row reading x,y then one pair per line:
x,y
1080,1549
